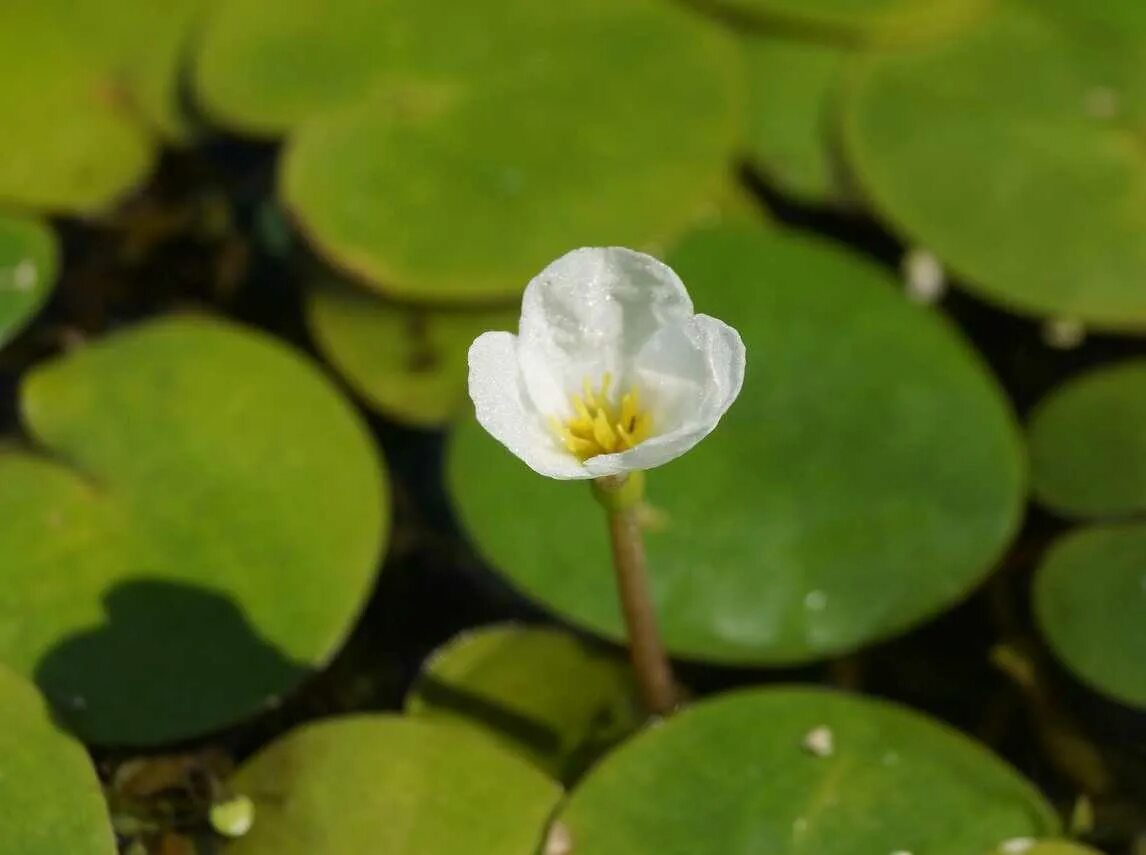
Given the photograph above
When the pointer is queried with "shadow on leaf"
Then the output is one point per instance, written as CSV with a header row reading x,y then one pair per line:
x,y
170,661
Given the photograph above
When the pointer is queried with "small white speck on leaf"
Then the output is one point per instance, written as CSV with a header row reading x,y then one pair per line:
x,y
923,276
890,758
559,841
79,702
1017,845
1063,333
24,275
820,741
901,852
815,601
799,825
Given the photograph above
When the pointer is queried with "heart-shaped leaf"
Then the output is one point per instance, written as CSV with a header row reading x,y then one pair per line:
x,y
400,786
198,535
800,771
868,476
50,799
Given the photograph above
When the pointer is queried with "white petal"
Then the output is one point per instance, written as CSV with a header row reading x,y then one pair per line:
x,y
690,374
590,312
506,411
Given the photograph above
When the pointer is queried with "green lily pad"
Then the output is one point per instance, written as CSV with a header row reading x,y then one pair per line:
x,y
199,534
262,67
732,776
1038,108
407,361
868,477
791,115
396,785
81,147
475,161
148,46
1088,443
50,798
106,83
860,20
1090,602
541,691
28,262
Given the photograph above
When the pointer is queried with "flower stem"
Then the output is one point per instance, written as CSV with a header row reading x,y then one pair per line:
x,y
621,499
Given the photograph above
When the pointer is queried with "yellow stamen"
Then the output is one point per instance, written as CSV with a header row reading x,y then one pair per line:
x,y
603,432
598,425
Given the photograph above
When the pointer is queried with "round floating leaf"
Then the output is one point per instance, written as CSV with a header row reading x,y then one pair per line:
x,y
732,776
1035,108
867,478
395,785
538,128
1090,601
202,536
407,361
28,260
543,691
80,146
1088,443
791,116
50,798
866,20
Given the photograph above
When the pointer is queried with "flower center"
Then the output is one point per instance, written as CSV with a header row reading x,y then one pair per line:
x,y
600,426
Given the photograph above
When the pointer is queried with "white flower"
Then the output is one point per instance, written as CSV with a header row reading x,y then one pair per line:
x,y
610,372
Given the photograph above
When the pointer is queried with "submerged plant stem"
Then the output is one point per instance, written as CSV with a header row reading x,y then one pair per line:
x,y
650,661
